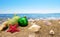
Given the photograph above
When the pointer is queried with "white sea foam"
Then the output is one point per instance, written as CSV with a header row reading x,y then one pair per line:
x,y
49,18
31,19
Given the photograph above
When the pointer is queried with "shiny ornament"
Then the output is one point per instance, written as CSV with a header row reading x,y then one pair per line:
x,y
23,22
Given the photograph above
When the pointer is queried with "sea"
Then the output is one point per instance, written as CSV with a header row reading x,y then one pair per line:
x,y
49,15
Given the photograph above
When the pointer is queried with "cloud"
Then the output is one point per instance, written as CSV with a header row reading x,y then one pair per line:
x,y
27,11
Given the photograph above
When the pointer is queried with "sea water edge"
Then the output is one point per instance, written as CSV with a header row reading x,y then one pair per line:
x,y
33,16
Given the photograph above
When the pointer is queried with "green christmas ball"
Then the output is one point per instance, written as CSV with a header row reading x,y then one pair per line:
x,y
23,22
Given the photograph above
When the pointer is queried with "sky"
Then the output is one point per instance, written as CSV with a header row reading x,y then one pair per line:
x,y
29,6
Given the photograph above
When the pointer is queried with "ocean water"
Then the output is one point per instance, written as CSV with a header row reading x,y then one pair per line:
x,y
55,15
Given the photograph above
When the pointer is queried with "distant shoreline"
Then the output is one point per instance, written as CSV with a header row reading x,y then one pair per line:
x,y
43,16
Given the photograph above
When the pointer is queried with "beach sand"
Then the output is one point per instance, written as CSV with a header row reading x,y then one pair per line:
x,y
43,32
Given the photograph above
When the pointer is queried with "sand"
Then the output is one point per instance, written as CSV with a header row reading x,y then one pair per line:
x,y
43,32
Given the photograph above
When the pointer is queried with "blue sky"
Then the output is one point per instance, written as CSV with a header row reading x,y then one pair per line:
x,y
29,6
